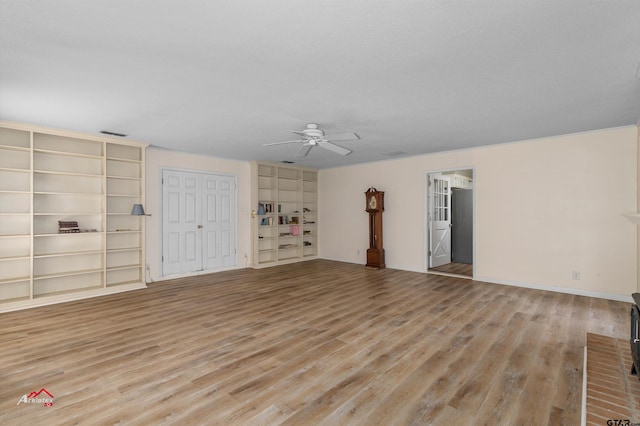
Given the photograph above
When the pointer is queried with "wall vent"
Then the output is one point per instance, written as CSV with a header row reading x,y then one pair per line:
x,y
110,133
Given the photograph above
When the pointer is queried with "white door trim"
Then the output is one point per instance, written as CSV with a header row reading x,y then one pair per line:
x,y
425,183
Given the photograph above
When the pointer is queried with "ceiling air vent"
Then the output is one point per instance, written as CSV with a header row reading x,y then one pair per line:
x,y
287,162
110,133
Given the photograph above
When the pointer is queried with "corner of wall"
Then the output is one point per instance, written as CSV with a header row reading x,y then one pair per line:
x,y
638,206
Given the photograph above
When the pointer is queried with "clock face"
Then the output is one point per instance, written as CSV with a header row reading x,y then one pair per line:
x,y
373,203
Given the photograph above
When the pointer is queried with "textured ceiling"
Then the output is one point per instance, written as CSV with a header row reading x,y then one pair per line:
x,y
224,77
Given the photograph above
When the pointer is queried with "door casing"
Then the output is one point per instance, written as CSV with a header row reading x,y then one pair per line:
x,y
427,212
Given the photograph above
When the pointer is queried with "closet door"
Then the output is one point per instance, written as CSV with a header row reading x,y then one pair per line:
x,y
199,222
219,221
181,222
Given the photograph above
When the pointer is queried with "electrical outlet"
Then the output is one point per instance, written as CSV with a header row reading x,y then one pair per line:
x,y
575,275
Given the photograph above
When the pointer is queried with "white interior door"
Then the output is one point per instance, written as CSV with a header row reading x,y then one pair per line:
x,y
440,220
181,222
219,221
198,223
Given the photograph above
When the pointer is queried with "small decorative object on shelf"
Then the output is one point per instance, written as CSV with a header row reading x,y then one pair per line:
x,y
375,207
68,227
138,210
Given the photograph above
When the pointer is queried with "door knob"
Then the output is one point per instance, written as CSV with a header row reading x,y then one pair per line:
x,y
199,226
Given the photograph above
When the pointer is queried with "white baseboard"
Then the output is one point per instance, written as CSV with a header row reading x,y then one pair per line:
x,y
399,267
567,290
69,297
404,268
576,291
196,273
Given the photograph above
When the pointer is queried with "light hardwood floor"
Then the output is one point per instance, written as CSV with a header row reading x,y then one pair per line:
x,y
315,343
455,268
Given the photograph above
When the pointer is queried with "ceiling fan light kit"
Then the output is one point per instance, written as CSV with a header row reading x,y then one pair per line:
x,y
312,136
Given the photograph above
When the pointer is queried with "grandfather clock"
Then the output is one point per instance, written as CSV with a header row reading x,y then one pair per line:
x,y
375,207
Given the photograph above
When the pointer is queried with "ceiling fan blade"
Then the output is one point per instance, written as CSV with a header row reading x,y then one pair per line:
x,y
342,137
335,148
280,143
303,151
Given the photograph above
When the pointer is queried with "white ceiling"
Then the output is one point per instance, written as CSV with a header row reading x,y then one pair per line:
x,y
224,77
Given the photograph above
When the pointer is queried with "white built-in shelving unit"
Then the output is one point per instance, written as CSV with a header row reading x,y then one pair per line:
x,y
285,205
47,176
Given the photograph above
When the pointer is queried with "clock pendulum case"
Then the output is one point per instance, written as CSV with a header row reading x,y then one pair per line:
x,y
375,207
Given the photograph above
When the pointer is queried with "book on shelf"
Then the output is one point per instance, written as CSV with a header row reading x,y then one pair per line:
x,y
67,224
265,208
68,227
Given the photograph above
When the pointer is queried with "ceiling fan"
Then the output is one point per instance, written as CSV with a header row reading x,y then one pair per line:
x,y
314,136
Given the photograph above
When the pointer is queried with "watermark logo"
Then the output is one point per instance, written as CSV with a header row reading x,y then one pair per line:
x,y
41,397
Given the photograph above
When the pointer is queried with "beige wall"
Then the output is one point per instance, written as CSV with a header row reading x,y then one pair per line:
x,y
544,208
158,159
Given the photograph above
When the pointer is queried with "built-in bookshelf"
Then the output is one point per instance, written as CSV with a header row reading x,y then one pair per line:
x,y
284,215
124,175
66,230
15,214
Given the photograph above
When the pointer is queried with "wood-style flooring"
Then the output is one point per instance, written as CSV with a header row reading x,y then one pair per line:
x,y
318,342
465,269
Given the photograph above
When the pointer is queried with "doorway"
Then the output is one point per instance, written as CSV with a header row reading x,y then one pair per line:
x,y
198,222
450,208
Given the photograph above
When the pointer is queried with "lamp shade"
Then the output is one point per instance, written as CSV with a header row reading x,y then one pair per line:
x,y
137,210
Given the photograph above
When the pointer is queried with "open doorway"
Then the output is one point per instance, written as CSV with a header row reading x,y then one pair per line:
x,y
450,207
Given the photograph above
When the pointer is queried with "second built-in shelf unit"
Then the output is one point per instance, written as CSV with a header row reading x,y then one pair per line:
x,y
285,203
